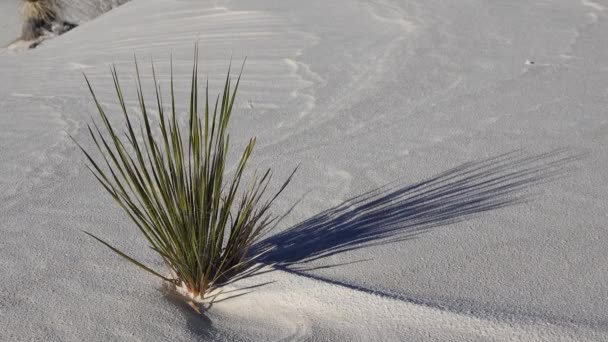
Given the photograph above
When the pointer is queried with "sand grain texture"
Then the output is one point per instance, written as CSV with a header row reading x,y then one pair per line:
x,y
362,94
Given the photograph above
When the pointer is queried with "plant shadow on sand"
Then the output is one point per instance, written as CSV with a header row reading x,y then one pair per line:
x,y
391,214
388,215
199,325
194,313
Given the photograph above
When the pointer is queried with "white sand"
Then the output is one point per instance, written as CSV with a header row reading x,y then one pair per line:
x,y
10,26
362,94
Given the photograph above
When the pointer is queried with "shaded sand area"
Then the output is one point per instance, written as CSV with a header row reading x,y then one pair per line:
x,y
452,182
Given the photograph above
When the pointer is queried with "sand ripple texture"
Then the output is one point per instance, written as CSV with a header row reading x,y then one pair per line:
x,y
362,94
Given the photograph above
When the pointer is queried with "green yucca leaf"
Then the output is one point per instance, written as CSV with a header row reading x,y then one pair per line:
x,y
174,187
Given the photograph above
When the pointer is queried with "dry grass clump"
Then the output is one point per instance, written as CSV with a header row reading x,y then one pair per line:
x,y
42,17
39,9
175,186
38,17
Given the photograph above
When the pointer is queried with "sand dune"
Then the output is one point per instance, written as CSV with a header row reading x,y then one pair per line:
x,y
411,100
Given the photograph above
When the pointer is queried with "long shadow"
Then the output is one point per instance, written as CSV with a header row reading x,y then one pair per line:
x,y
390,214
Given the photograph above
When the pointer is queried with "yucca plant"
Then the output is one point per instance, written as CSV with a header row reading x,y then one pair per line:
x,y
199,218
